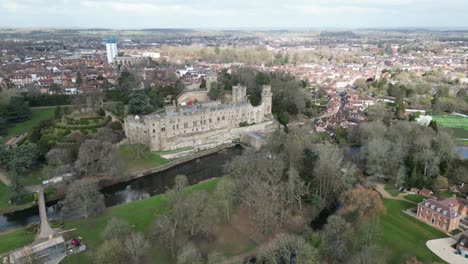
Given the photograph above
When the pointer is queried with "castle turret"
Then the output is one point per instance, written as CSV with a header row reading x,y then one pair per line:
x,y
267,100
239,93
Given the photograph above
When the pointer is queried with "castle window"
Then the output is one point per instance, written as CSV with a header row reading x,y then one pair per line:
x,y
223,117
163,129
177,126
153,124
154,130
210,120
185,125
173,126
217,119
204,122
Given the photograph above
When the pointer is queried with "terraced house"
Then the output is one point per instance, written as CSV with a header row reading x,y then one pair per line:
x,y
444,215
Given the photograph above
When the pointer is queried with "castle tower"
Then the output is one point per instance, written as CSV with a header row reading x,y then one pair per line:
x,y
239,93
211,77
267,100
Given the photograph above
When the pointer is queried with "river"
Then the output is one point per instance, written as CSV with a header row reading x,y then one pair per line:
x,y
206,167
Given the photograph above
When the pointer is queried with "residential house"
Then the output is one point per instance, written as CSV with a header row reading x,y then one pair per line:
x,y
426,193
445,214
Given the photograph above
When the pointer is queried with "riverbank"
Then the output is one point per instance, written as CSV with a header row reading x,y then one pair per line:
x,y
90,228
108,181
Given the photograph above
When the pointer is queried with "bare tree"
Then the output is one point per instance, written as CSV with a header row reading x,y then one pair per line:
x,y
83,198
189,255
226,196
336,236
116,228
195,212
259,181
96,156
216,258
59,157
288,249
331,173
110,252
136,245
166,228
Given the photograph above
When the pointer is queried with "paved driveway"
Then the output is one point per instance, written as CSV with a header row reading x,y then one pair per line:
x,y
442,248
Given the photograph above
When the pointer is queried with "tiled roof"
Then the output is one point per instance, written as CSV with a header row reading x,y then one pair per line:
x,y
439,207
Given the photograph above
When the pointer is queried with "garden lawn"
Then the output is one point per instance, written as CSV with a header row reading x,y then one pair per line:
x,y
37,115
391,190
414,198
149,161
449,194
4,195
14,239
139,215
404,236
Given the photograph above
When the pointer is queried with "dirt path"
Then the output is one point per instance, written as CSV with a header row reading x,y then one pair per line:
x,y
380,188
4,179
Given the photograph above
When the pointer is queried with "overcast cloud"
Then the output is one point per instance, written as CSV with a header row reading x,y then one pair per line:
x,y
233,13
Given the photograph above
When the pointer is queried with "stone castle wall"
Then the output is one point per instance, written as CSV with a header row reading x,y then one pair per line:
x,y
201,126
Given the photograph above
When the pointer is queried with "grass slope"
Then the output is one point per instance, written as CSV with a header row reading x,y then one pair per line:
x,y
14,239
139,215
4,195
414,198
132,164
37,115
404,236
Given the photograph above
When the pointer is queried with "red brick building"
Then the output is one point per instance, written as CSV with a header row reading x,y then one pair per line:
x,y
445,214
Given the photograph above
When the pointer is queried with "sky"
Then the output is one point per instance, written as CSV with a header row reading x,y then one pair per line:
x,y
221,14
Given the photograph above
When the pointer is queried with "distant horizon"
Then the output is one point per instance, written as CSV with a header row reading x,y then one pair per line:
x,y
241,28
240,14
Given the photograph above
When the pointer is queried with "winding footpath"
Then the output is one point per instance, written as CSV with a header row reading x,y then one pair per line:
x,y
380,188
4,179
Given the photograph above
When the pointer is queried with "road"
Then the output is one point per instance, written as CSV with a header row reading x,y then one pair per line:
x,y
443,248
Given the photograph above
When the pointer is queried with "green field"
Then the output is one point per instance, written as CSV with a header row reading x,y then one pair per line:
x,y
151,160
14,239
404,236
414,198
457,124
38,114
391,190
4,196
139,215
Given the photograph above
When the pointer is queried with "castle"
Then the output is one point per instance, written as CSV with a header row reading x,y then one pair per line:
x,y
204,124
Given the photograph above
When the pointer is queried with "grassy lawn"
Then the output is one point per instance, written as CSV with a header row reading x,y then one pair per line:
x,y
131,163
34,177
38,114
165,152
452,121
4,195
14,239
391,190
414,198
139,215
450,194
404,236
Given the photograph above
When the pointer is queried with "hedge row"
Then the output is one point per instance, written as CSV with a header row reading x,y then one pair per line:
x,y
104,123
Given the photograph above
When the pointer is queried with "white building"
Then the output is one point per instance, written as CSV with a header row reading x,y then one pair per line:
x,y
111,48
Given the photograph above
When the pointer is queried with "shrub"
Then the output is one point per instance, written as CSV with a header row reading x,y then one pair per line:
x,y
56,223
32,228
115,125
